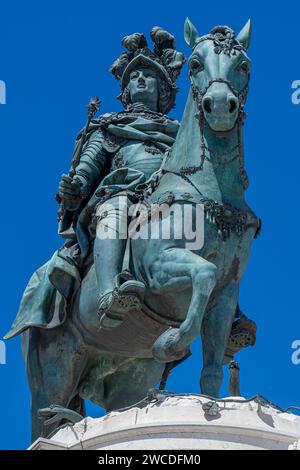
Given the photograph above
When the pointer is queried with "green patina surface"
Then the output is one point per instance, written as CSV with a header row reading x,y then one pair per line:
x,y
104,319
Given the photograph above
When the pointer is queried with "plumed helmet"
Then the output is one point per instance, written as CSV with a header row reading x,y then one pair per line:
x,y
164,60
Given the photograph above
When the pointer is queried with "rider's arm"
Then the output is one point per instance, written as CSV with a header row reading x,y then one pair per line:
x,y
92,163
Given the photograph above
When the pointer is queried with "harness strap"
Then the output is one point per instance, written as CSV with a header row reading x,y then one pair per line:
x,y
198,97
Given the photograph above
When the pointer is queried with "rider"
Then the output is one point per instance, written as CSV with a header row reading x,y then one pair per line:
x,y
122,150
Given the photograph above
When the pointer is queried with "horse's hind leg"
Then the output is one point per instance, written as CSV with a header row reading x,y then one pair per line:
x,y
174,268
54,364
215,335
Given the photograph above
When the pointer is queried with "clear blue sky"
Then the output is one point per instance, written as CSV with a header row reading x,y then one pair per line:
x,y
53,57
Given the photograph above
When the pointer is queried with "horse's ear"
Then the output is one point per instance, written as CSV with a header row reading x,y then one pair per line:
x,y
244,35
190,33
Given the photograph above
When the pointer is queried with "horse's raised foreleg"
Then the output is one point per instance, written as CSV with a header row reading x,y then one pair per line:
x,y
173,268
215,336
54,364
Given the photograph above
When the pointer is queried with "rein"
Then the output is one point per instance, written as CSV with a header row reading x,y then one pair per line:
x,y
198,97
227,218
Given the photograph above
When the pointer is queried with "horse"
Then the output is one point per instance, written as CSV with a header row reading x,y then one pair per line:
x,y
190,289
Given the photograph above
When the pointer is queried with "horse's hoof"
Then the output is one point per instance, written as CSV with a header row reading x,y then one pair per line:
x,y
165,349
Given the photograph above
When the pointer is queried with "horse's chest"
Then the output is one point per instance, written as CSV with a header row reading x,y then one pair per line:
x,y
230,256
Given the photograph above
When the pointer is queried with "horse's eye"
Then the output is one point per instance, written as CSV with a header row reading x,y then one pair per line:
x,y
244,67
195,66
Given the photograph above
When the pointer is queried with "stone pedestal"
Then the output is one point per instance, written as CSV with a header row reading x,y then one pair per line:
x,y
183,422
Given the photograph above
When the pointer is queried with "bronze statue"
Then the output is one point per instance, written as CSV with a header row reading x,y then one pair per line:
x,y
111,312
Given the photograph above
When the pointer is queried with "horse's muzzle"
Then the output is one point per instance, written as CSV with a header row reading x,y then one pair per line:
x,y
220,107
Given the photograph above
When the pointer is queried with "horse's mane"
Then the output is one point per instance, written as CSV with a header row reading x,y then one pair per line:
x,y
222,29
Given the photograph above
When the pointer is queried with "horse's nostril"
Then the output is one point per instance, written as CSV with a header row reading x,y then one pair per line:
x,y
207,102
232,105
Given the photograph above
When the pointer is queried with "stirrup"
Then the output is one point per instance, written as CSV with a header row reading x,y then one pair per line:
x,y
113,306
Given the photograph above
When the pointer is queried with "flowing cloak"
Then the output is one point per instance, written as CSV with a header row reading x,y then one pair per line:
x,y
45,301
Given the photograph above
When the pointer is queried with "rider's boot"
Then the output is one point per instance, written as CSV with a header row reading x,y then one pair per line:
x,y
120,293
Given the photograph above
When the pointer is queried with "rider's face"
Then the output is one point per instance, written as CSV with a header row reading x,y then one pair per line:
x,y
143,86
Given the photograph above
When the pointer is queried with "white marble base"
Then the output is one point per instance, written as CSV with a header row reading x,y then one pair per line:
x,y
179,422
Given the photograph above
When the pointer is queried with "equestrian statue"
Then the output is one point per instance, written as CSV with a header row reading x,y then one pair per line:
x,y
118,306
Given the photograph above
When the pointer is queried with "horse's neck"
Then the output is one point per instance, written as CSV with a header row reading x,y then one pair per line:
x,y
221,182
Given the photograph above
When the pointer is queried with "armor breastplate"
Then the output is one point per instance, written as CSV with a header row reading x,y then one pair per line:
x,y
142,156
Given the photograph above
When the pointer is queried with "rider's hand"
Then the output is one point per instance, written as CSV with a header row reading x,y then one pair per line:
x,y
69,191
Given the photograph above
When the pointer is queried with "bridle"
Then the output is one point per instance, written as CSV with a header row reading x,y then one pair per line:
x,y
224,42
199,94
229,217
198,98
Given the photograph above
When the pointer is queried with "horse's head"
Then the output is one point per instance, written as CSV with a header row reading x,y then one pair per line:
x,y
219,72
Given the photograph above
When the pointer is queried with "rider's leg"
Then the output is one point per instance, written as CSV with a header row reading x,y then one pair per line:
x,y
110,242
109,248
